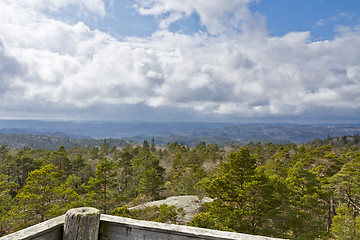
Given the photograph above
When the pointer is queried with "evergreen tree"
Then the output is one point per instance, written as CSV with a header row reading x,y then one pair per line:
x,y
24,166
101,188
6,202
177,173
81,168
44,196
125,168
243,196
345,185
152,179
148,175
307,203
61,160
345,226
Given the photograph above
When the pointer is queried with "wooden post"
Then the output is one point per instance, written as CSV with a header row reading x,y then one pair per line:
x,y
82,224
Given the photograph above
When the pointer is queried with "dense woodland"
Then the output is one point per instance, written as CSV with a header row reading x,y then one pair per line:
x,y
295,191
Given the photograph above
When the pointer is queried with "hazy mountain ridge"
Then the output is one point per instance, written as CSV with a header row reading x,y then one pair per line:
x,y
36,132
101,129
85,134
21,141
280,132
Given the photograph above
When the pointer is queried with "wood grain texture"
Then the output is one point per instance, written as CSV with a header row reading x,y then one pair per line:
x,y
82,224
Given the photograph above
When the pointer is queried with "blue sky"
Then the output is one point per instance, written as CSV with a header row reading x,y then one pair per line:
x,y
189,60
321,17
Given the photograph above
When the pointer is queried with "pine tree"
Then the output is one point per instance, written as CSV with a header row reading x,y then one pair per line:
x,y
61,160
345,226
101,188
152,178
306,203
5,202
244,200
44,196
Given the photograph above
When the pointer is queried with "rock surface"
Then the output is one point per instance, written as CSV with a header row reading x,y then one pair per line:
x,y
190,203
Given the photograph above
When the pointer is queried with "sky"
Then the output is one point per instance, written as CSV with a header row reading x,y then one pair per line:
x,y
181,60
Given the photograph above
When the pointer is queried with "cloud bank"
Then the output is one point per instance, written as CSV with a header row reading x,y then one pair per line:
x,y
52,68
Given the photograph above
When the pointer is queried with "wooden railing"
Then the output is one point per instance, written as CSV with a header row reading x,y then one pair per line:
x,y
88,223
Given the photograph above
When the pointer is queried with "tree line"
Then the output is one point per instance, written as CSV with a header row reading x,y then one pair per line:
x,y
295,191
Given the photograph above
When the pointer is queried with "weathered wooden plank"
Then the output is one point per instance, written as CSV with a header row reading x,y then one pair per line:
x,y
49,230
119,228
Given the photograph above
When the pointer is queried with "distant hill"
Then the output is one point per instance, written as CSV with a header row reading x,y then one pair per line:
x,y
298,133
102,129
21,141
69,133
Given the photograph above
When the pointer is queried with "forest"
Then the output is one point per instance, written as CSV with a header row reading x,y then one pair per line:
x,y
293,191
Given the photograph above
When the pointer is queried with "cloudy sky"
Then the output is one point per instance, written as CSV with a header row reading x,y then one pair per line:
x,y
180,60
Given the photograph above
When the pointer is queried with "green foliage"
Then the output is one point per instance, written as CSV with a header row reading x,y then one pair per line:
x,y
6,202
43,197
121,212
163,213
307,191
207,220
61,160
306,203
125,173
149,174
244,200
280,163
346,224
101,187
18,167
346,181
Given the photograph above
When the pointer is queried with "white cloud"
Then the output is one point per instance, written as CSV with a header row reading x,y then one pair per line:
x,y
216,16
320,23
51,66
94,6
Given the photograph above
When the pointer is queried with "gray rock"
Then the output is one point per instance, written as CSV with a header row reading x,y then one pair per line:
x,y
190,203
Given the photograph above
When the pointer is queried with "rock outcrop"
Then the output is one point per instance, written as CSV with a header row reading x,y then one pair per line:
x,y
190,203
